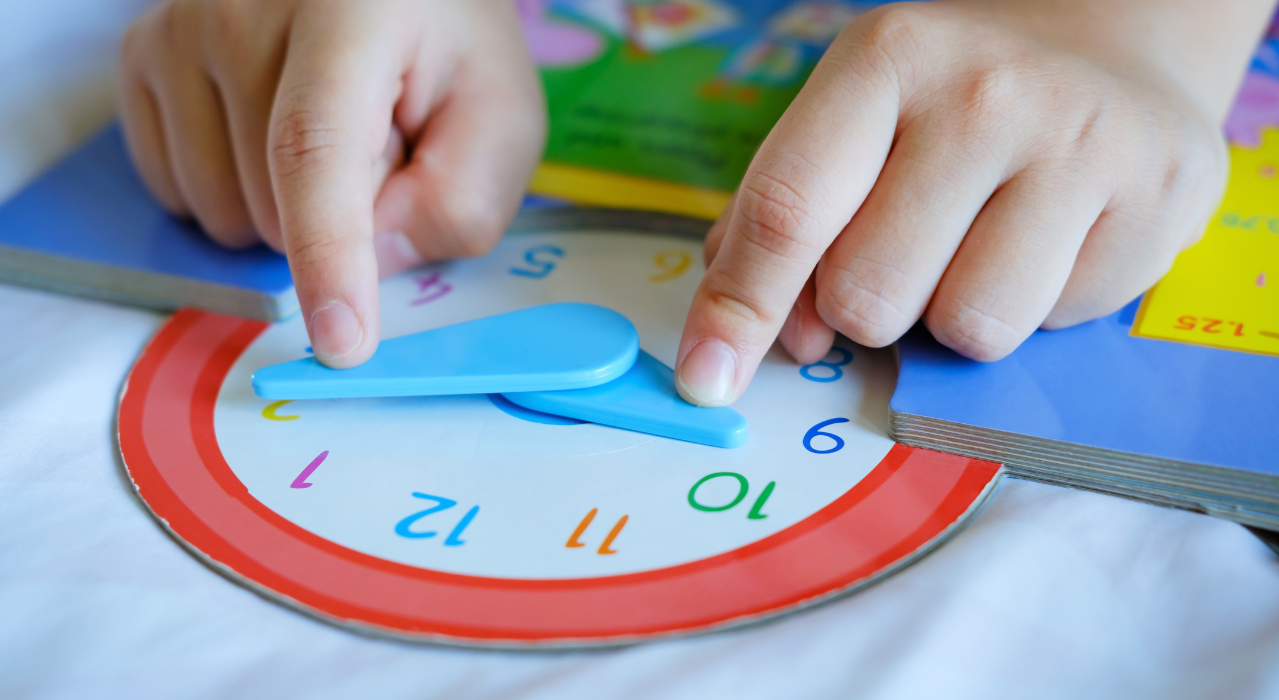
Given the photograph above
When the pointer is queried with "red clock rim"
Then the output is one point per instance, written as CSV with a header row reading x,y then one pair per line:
x,y
160,430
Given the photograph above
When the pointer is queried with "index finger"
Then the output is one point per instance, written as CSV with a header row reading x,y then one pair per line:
x,y
329,124
802,188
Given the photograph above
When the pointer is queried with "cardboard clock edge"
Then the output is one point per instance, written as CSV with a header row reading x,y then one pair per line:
x,y
374,631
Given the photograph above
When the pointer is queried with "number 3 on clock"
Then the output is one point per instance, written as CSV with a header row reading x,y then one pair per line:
x,y
671,263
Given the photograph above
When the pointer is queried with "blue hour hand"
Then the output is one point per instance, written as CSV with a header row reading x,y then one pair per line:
x,y
643,400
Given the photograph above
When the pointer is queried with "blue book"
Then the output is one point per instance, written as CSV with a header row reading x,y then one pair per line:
x,y
90,227
1176,410
1095,407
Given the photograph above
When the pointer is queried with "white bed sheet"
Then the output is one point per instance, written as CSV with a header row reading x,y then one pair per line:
x,y
1050,592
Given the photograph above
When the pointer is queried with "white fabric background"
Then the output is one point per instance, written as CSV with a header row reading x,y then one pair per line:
x,y
1050,593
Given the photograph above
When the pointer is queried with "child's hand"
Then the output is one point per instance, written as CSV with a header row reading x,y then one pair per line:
x,y
293,119
991,166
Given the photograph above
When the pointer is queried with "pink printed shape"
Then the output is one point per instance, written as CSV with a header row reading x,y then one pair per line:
x,y
555,43
425,283
1256,108
301,482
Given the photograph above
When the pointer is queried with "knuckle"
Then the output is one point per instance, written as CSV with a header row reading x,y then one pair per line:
x,y
230,234
229,29
232,17
715,237
173,22
1175,188
1082,138
475,225
263,215
1174,177
302,139
865,300
1129,225
734,304
1080,112
1086,127
227,223
1197,167
143,33
475,243
534,124
222,218
987,98
894,29
972,332
270,233
314,251
1193,235
168,200
884,41
131,45
775,217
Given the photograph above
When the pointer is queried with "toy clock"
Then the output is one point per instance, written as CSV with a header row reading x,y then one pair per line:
x,y
470,520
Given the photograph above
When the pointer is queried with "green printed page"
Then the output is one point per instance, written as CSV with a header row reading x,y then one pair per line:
x,y
645,117
668,92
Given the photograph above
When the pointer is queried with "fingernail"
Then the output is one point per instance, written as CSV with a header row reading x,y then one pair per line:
x,y
394,253
706,376
335,332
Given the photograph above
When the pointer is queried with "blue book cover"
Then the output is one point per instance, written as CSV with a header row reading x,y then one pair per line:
x,y
1094,406
90,227
1095,385
1175,398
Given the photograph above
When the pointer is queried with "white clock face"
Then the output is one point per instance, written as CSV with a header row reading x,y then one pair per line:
x,y
473,485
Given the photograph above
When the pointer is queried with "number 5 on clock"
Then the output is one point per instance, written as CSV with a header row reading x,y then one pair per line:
x,y
538,267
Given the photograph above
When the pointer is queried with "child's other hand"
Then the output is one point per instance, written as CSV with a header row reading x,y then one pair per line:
x,y
317,124
991,166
